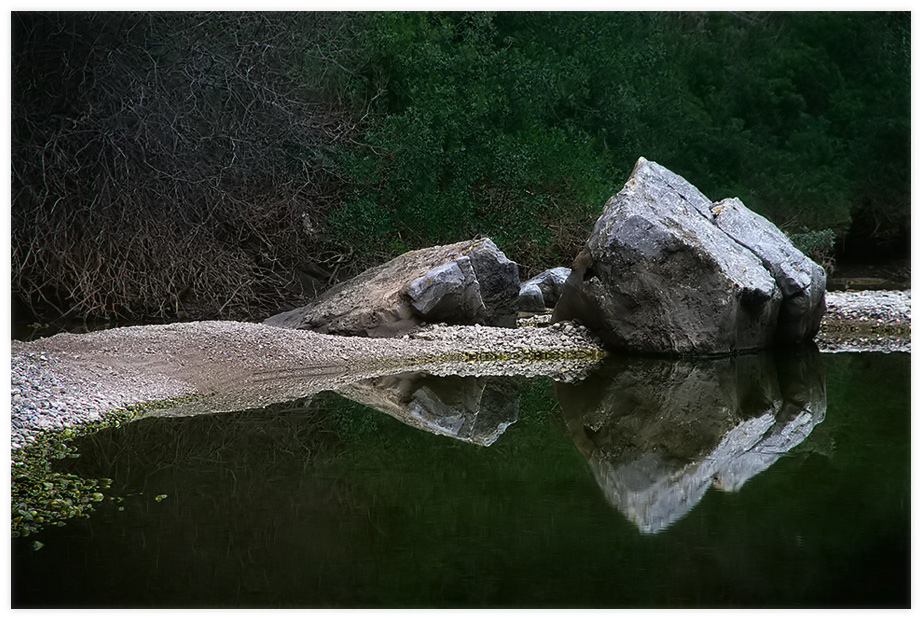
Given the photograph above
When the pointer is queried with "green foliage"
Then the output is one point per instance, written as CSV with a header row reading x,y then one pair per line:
x,y
760,124
467,142
817,244
520,125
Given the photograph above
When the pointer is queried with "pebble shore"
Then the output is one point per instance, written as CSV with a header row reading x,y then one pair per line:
x,y
69,380
864,321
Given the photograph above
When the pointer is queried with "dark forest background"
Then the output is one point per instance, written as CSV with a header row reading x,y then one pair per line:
x,y
225,165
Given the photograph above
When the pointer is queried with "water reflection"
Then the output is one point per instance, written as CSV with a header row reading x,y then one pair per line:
x,y
474,409
391,517
658,433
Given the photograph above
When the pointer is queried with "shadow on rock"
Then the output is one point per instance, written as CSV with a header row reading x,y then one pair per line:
x,y
473,409
658,433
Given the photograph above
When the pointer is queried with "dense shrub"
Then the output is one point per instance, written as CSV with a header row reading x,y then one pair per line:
x,y
466,141
520,125
167,164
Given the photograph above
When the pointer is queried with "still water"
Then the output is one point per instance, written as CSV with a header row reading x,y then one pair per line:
x,y
752,482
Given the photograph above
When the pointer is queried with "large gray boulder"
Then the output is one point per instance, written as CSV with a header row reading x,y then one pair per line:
x,y
462,283
666,270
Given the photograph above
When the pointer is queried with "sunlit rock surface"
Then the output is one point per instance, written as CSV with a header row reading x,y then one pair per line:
x,y
666,270
473,409
659,433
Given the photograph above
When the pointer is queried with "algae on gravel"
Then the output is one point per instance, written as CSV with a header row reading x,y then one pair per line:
x,y
41,496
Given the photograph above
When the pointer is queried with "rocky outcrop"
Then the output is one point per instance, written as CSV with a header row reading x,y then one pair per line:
x,y
542,291
463,283
666,270
658,433
472,409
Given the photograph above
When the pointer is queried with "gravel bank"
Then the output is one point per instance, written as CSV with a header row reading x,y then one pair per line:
x,y
858,321
71,379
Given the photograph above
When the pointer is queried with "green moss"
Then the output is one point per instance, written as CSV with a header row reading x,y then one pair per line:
x,y
41,496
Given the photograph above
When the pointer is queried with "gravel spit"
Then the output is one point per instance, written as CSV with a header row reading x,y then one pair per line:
x,y
70,379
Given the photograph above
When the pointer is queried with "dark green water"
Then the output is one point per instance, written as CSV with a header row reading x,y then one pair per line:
x,y
651,484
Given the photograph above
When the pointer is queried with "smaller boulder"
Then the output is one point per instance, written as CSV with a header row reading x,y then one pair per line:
x,y
542,291
530,298
462,283
498,278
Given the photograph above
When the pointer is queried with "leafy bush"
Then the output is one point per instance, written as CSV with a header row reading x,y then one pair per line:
x,y
464,143
517,125
818,245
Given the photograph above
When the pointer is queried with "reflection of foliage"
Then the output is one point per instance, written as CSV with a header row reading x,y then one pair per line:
x,y
292,509
821,442
262,439
41,495
350,419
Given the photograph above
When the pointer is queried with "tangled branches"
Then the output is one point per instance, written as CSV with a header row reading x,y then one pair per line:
x,y
171,165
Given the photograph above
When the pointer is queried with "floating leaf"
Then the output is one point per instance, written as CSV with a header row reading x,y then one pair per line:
x,y
43,496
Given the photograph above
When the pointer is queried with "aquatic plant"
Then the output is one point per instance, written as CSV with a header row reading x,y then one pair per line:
x,y
40,495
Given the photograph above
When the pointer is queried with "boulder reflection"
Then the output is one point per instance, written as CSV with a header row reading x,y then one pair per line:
x,y
658,433
474,409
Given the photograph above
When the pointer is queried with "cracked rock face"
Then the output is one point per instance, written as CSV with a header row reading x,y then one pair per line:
x,y
666,270
801,281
